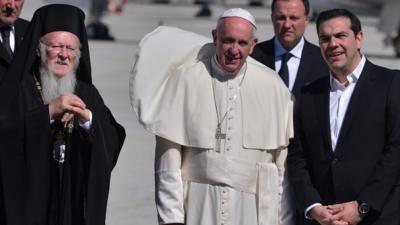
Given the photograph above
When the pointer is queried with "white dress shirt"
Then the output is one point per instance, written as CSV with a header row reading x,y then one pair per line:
x,y
339,99
293,63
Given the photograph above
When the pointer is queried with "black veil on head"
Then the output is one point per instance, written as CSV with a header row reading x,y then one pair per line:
x,y
50,18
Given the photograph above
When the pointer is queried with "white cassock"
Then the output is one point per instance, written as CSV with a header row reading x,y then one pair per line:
x,y
196,183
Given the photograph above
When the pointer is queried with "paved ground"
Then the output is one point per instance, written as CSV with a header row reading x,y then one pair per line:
x,y
131,199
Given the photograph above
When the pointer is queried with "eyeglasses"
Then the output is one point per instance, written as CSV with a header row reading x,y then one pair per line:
x,y
57,48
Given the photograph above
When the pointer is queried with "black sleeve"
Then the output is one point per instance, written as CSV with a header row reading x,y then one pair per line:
x,y
387,170
304,193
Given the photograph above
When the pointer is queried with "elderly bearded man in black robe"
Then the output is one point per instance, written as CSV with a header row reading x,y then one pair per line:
x,y
71,141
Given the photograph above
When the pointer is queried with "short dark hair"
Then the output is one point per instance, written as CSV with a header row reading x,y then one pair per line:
x,y
334,13
305,3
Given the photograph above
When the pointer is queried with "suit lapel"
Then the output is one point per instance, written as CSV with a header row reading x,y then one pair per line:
x,y
270,59
360,97
5,59
268,50
304,68
322,112
19,35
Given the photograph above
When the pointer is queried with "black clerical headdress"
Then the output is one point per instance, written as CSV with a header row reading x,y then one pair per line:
x,y
50,18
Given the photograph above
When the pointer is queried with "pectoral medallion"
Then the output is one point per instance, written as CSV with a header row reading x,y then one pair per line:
x,y
218,137
59,147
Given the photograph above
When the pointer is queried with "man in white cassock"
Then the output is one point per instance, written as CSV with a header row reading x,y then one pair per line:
x,y
222,123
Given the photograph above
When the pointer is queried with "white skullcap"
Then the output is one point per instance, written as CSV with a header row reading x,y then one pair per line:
x,y
239,12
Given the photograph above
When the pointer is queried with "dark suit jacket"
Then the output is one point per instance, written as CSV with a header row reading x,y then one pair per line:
x,y
20,26
11,163
365,165
312,66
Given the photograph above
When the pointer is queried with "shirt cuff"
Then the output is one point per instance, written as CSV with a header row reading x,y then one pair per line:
x,y
306,212
86,125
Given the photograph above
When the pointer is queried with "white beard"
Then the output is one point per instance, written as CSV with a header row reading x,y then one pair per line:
x,y
52,88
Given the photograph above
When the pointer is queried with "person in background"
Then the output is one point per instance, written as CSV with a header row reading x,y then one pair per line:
x,y
96,29
296,60
12,29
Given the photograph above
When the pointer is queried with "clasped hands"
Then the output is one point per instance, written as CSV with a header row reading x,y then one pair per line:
x,y
338,214
68,105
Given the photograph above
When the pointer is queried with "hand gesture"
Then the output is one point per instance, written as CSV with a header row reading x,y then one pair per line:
x,y
325,217
66,106
347,211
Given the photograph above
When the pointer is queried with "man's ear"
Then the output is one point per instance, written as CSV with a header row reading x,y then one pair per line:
x,y
38,52
214,35
253,45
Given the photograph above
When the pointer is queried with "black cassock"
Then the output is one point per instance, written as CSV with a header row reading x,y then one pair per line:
x,y
32,189
76,191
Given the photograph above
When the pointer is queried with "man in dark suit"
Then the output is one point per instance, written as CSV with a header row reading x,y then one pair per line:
x,y
290,19
96,29
13,27
344,164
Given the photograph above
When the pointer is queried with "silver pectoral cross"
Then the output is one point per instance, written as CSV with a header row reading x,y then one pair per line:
x,y
218,137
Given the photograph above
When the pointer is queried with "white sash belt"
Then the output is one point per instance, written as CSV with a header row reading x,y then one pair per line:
x,y
261,179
